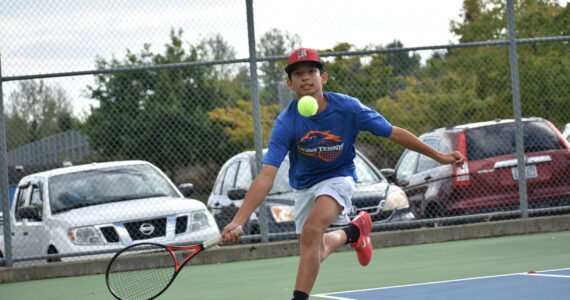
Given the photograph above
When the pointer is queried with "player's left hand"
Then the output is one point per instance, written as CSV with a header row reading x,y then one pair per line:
x,y
455,158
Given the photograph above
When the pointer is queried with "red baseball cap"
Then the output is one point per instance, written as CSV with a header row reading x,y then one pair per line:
x,y
303,55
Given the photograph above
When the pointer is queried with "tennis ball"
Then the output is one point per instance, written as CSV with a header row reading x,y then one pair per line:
x,y
307,106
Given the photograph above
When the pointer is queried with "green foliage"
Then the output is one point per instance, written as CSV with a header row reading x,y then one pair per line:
x,y
364,77
169,116
238,123
474,84
157,115
274,43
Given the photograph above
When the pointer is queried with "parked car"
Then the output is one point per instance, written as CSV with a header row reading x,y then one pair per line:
x,y
103,206
488,181
384,201
566,132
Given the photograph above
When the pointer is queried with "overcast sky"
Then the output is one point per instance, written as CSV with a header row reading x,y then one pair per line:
x,y
38,36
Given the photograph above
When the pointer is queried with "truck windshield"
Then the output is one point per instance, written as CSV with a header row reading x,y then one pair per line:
x,y
93,187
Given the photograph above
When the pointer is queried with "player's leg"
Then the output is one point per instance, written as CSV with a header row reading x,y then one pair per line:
x,y
313,243
331,241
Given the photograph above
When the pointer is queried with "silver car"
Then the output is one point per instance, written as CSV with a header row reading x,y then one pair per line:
x,y
385,202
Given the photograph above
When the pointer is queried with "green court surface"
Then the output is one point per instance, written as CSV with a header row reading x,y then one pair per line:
x,y
274,278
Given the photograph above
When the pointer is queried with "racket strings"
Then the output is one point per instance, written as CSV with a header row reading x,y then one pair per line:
x,y
141,272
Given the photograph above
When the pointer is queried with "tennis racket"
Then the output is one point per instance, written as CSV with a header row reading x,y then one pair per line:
x,y
146,270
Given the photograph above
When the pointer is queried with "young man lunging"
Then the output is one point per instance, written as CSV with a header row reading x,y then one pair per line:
x,y
322,172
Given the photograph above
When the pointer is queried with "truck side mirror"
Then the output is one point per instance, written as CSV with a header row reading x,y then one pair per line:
x,y
28,212
388,174
187,189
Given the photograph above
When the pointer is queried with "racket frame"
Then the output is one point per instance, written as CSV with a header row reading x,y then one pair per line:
x,y
177,266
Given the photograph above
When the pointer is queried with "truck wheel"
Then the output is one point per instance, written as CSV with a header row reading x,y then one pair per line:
x,y
52,250
432,211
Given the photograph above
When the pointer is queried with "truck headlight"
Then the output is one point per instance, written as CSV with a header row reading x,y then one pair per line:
x,y
395,200
84,236
282,213
199,221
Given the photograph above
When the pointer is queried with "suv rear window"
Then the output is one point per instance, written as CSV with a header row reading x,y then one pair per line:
x,y
498,140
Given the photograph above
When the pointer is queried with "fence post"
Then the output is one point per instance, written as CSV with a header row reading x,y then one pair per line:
x,y
515,85
256,113
4,181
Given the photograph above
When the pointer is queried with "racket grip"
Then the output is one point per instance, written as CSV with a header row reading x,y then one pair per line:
x,y
216,240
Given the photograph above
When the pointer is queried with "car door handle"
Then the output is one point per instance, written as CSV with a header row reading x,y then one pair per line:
x,y
25,233
403,183
427,178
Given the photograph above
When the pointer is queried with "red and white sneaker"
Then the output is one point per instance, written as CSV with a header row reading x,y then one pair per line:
x,y
363,246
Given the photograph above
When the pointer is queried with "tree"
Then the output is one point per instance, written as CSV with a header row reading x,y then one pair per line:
x,y
158,115
36,110
403,63
542,66
474,84
364,77
238,123
216,48
274,43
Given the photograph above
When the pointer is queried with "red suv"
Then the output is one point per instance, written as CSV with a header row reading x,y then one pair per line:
x,y
488,181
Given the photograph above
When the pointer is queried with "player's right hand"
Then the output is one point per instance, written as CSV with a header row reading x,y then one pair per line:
x,y
229,234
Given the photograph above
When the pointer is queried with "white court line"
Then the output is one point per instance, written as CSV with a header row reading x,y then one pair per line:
x,y
546,275
325,295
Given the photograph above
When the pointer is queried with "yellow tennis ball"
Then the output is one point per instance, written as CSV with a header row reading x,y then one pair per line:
x,y
307,106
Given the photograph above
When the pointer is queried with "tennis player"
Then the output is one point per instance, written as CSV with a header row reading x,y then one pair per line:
x,y
321,152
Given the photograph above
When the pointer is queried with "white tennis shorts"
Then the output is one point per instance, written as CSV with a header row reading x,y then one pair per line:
x,y
340,188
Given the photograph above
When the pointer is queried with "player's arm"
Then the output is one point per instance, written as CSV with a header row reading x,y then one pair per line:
x,y
409,140
255,195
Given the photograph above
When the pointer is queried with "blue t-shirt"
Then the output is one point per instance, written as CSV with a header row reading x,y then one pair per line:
x,y
322,146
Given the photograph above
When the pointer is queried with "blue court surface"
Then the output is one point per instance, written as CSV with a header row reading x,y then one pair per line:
x,y
551,285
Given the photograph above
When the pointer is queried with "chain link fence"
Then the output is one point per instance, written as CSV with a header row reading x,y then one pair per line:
x,y
176,124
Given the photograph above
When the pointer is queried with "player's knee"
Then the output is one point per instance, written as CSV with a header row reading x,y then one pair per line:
x,y
312,235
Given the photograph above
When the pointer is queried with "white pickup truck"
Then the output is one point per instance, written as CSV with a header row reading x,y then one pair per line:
x,y
99,207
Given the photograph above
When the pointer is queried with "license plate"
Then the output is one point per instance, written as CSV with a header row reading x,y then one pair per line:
x,y
530,171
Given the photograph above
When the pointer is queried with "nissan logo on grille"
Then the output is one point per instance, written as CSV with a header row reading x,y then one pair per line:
x,y
146,229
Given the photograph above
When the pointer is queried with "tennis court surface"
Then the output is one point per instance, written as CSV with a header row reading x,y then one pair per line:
x,y
447,270
553,285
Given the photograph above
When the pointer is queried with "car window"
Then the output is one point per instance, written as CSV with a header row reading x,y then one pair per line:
x,y
37,200
407,165
98,186
281,183
364,172
443,147
425,162
498,140
243,179
21,199
229,178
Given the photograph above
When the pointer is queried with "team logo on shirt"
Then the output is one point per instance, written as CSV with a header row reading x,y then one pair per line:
x,y
321,144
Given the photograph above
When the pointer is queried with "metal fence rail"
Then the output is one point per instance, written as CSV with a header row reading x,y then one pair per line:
x,y
203,117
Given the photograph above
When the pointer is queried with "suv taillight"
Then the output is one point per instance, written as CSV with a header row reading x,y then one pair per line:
x,y
461,174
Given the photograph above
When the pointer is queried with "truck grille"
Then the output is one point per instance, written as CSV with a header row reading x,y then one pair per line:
x,y
181,224
146,229
110,234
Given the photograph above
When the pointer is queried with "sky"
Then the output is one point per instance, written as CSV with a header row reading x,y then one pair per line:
x,y
38,36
